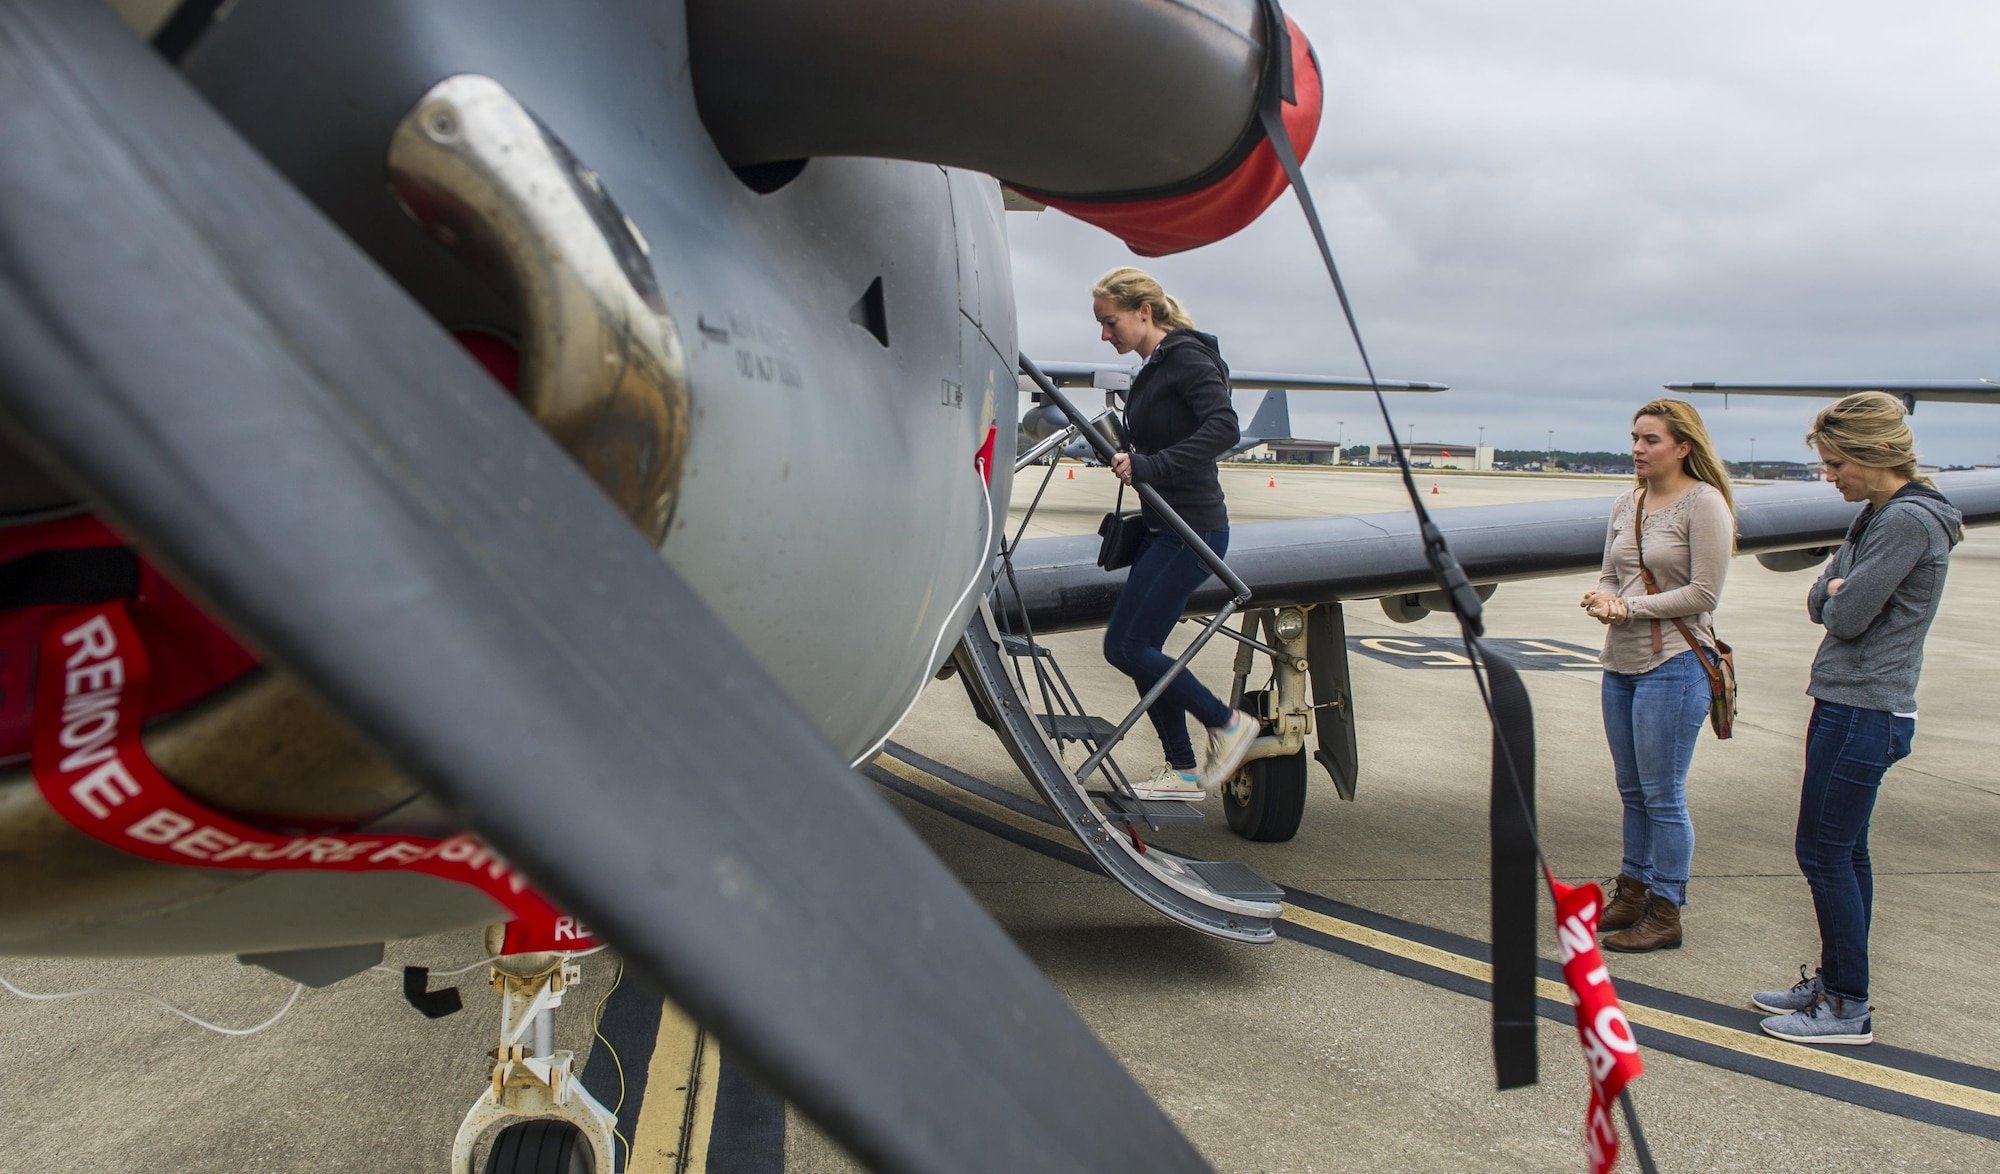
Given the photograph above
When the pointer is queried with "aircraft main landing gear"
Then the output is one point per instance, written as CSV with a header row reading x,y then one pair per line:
x,y
1306,645
566,1131
1267,799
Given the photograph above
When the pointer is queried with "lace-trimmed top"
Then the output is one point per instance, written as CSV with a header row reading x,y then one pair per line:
x,y
1688,545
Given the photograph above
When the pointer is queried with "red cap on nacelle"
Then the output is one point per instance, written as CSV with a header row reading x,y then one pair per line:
x,y
1173,224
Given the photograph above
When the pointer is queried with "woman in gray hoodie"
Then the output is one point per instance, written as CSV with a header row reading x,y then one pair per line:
x,y
1876,599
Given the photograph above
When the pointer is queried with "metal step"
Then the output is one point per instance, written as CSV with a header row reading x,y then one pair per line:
x,y
1236,880
1022,646
1182,889
1072,727
1151,814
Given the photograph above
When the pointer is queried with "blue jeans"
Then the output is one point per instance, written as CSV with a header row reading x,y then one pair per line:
x,y
1847,751
1652,721
1156,591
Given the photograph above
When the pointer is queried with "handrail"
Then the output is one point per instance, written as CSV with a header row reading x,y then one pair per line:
x,y
1052,441
1044,446
1146,493
1153,694
1259,645
1151,497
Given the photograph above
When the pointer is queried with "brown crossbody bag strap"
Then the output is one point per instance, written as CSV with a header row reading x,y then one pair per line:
x,y
1713,670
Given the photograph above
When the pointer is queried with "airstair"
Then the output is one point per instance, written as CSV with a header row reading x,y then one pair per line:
x,y
1225,899
1017,687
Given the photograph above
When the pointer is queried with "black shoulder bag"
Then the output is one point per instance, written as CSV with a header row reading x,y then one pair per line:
x,y
1120,532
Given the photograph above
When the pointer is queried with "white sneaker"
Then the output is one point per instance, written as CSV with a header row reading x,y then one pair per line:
x,y
1170,784
1228,746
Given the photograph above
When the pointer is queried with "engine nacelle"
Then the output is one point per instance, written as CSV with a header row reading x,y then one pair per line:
x,y
1794,560
1042,421
1415,605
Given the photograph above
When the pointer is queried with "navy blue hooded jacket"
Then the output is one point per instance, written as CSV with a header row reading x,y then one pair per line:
x,y
1180,421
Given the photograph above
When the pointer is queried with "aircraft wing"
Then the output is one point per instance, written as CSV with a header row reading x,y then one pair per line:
x,y
1267,380
1086,375
1318,560
1957,391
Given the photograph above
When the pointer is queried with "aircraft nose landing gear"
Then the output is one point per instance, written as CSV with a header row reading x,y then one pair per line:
x,y
565,1126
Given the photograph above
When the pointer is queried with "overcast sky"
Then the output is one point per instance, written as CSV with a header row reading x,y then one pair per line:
x,y
1556,207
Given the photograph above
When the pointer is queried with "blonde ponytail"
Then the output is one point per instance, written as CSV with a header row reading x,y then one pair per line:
x,y
1869,428
1129,288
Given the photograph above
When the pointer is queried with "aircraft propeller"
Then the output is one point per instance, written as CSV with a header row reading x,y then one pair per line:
x,y
190,344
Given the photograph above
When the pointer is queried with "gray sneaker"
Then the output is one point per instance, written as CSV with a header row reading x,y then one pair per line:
x,y
1802,995
1830,1020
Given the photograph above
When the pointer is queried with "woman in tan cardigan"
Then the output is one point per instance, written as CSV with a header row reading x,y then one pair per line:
x,y
1680,519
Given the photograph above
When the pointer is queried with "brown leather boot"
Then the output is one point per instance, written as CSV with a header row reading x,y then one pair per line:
x,y
1625,906
1659,929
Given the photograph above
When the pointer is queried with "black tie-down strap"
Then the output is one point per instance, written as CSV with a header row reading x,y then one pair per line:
x,y
91,574
1515,902
1516,877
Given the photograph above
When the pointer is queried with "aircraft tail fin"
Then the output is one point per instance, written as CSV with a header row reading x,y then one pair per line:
x,y
1273,419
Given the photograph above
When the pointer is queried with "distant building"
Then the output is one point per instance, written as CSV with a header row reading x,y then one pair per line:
x,y
1289,450
1477,458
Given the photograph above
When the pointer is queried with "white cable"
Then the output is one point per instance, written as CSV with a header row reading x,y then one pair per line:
x,y
297,990
979,572
398,971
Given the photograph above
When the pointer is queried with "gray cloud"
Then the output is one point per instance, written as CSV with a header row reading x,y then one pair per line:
x,y
1558,207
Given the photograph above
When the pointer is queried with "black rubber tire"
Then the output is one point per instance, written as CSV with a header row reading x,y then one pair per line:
x,y
541,1146
1276,802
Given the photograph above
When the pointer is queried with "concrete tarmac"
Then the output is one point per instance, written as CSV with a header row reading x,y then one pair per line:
x,y
1330,1049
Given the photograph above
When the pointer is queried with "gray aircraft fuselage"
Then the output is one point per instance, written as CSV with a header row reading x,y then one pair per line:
x,y
831,511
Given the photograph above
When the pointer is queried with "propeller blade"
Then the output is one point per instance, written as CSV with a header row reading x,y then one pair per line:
x,y
183,337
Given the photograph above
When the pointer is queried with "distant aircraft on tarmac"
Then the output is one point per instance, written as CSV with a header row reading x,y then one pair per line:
x,y
1955,391
1118,377
1271,421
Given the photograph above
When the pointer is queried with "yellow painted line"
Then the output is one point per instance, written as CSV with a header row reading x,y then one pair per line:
x,y
1389,943
671,1135
978,803
1929,1088
1765,1047
701,1124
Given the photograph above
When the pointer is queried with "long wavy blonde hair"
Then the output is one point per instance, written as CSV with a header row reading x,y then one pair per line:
x,y
1869,428
1129,288
1684,423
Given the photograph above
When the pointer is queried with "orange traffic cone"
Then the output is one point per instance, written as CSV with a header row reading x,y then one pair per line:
x,y
1434,487
1072,474
1273,484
